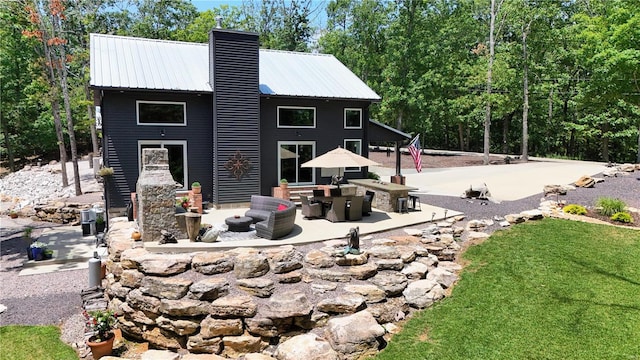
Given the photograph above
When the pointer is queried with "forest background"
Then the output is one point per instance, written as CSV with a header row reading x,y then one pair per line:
x,y
557,78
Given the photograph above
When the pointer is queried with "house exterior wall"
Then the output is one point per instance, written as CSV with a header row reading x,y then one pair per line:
x,y
121,135
328,134
234,76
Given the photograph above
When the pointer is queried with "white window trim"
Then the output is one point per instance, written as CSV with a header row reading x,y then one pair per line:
x,y
162,143
184,112
313,174
353,169
296,127
345,118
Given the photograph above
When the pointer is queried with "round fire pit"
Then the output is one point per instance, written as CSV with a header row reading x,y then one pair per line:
x,y
238,224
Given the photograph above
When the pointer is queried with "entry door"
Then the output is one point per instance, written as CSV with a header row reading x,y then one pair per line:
x,y
290,156
177,158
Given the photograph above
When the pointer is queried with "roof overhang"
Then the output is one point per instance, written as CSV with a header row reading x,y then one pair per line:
x,y
381,132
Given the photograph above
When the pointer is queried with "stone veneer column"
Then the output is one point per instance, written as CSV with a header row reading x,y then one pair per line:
x,y
156,195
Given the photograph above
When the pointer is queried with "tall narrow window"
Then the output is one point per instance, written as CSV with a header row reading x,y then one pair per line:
x,y
177,157
290,156
161,113
355,146
352,118
296,117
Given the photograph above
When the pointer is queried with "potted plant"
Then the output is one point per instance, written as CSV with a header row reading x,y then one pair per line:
x,y
101,323
13,214
105,171
100,224
196,188
284,183
26,237
183,202
37,250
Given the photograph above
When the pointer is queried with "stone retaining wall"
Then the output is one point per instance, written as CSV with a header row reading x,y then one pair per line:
x,y
286,302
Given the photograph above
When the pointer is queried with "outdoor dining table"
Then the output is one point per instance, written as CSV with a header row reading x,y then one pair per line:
x,y
327,202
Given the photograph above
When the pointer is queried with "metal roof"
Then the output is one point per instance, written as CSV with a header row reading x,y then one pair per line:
x,y
136,63
313,75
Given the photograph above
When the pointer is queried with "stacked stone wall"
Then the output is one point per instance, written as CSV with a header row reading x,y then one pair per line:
x,y
308,302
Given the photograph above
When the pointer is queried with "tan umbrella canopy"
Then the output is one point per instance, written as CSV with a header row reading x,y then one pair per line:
x,y
339,158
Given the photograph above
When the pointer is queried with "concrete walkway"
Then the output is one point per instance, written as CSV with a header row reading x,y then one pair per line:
x,y
505,182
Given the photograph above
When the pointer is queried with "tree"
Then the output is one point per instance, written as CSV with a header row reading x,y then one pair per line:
x,y
495,9
48,25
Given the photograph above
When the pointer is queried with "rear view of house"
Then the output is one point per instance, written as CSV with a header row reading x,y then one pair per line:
x,y
233,117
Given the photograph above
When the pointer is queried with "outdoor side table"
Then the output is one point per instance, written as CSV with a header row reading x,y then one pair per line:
x,y
238,224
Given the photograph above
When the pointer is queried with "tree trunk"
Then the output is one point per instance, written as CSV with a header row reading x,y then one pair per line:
x,y
57,122
605,142
525,105
487,118
461,136
506,124
94,135
62,69
7,144
638,156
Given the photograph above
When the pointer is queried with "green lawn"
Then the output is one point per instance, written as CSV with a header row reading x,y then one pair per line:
x,y
550,289
18,342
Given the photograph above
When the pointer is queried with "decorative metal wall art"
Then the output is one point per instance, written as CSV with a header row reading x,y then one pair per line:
x,y
238,165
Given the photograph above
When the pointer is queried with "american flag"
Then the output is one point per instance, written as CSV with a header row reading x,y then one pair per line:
x,y
416,154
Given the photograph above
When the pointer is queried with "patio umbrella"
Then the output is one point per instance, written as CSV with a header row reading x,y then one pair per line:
x,y
339,158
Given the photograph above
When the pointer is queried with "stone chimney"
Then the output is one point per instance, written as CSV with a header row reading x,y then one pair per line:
x,y
156,192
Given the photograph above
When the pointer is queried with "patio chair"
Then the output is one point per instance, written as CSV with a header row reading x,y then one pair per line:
x,y
337,211
366,203
355,208
310,210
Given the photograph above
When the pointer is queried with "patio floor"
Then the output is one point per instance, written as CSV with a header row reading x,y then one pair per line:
x,y
305,231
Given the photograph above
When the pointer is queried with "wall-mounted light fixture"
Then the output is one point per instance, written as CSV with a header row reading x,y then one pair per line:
x,y
162,132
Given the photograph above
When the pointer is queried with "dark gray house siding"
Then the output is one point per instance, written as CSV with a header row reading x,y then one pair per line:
x,y
122,135
234,77
328,134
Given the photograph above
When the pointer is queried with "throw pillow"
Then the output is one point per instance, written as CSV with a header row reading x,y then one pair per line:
x,y
282,207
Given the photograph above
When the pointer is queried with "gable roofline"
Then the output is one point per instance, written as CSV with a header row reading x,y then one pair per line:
x,y
122,62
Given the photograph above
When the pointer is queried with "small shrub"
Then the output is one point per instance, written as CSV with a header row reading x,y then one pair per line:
x,y
372,175
575,209
623,217
609,206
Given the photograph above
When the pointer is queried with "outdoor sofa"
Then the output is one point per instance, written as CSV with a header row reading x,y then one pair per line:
x,y
274,218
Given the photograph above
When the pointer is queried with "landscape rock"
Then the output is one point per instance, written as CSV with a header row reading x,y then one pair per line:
x,y
211,327
209,288
342,304
307,347
423,293
355,336
371,293
233,307
167,288
257,287
211,263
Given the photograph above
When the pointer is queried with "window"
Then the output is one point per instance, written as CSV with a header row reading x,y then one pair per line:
x,y
293,154
353,118
161,113
355,146
296,117
177,158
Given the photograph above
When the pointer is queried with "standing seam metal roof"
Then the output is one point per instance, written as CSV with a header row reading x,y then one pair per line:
x,y
136,63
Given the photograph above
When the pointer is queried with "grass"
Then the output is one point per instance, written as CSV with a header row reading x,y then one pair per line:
x,y
18,342
552,289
